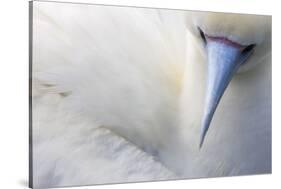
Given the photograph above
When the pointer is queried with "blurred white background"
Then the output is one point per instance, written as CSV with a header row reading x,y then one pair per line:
x,y
14,91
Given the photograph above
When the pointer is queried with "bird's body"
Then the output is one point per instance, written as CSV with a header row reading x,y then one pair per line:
x,y
113,100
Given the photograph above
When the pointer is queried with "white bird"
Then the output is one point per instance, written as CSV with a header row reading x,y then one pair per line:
x,y
124,94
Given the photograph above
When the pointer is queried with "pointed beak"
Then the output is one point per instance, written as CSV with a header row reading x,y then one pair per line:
x,y
224,59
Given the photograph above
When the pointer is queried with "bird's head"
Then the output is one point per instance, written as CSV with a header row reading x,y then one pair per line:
x,y
231,43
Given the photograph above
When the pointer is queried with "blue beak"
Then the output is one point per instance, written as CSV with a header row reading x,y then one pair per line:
x,y
223,62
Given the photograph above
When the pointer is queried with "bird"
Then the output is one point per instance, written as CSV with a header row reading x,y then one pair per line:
x,y
127,94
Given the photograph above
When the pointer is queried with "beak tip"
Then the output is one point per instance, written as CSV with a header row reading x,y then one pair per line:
x,y
203,133
201,141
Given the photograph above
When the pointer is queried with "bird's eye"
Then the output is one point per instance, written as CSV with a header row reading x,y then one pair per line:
x,y
203,37
248,49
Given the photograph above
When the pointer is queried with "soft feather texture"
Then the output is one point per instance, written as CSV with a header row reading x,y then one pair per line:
x,y
117,97
88,72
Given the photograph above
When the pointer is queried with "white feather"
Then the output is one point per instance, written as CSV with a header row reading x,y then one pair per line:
x,y
115,100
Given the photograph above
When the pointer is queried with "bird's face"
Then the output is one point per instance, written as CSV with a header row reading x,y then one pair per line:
x,y
231,43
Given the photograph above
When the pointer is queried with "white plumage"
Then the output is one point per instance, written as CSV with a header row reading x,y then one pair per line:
x,y
117,97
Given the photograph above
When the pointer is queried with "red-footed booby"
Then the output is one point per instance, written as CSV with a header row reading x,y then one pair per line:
x,y
125,94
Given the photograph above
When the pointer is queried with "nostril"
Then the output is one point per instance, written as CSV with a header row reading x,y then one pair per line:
x,y
202,35
248,48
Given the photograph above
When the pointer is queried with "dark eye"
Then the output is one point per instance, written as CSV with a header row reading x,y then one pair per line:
x,y
248,49
202,35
